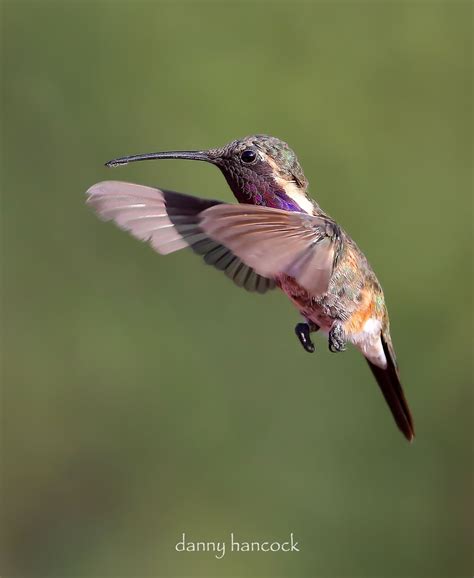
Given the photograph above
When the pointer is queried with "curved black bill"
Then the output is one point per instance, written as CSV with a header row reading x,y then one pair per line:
x,y
186,155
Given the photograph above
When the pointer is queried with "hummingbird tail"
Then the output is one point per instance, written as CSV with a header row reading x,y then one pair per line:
x,y
389,382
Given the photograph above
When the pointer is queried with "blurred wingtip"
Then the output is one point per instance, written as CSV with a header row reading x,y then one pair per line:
x,y
99,189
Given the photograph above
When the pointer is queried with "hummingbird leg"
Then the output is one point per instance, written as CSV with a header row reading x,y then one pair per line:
x,y
337,338
302,331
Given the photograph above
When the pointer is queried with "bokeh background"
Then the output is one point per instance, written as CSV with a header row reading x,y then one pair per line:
x,y
144,396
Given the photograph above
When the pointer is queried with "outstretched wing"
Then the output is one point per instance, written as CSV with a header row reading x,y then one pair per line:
x,y
275,242
253,245
170,221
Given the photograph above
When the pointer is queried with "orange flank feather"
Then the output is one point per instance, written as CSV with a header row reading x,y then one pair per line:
x,y
363,313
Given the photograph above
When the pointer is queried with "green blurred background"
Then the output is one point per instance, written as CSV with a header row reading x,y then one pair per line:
x,y
145,396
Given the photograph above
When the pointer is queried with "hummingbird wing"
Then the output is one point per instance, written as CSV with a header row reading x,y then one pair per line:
x,y
275,242
171,221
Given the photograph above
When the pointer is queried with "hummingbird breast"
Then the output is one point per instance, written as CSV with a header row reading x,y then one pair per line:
x,y
354,295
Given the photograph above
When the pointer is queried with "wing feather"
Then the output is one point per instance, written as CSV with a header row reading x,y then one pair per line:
x,y
275,242
169,222
254,245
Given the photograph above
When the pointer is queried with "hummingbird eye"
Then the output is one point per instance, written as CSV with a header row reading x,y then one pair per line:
x,y
248,156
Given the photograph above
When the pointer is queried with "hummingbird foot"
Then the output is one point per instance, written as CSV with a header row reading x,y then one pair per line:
x,y
303,331
337,338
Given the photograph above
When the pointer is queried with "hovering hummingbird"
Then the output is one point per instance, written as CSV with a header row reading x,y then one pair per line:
x,y
277,236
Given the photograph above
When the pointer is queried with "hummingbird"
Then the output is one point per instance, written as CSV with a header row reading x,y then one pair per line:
x,y
276,236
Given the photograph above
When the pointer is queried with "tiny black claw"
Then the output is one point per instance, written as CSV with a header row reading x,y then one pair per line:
x,y
302,331
337,339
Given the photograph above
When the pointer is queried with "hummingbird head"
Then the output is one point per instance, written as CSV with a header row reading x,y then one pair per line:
x,y
259,166
260,170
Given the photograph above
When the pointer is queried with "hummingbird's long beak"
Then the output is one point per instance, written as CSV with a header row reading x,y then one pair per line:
x,y
186,155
